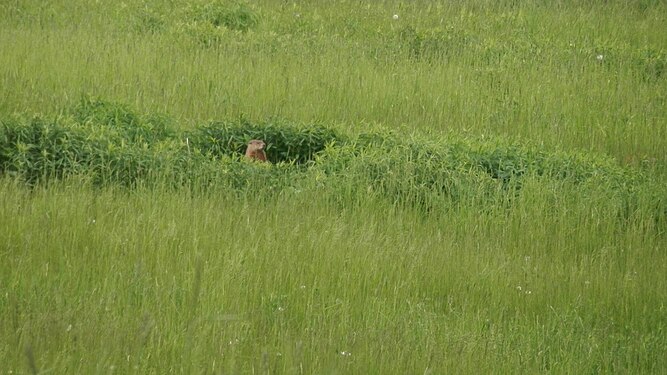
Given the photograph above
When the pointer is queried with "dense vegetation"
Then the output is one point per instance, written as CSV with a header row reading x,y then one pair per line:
x,y
454,187
109,144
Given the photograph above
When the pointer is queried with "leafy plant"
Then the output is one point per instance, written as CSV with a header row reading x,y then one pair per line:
x,y
652,64
113,145
236,17
285,142
124,121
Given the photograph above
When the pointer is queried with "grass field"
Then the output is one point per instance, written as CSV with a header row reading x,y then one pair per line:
x,y
456,187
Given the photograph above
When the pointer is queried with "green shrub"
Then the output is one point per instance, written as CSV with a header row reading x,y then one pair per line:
x,y
424,179
112,145
129,126
652,64
37,149
285,142
237,16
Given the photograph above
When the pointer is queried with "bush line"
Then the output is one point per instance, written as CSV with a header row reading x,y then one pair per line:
x,y
111,144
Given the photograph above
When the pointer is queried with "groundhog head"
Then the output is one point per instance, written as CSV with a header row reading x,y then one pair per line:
x,y
255,150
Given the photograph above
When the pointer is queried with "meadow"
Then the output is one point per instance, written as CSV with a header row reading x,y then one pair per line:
x,y
454,187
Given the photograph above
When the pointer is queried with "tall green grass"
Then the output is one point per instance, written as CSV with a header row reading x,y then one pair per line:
x,y
110,144
473,187
102,280
126,249
529,70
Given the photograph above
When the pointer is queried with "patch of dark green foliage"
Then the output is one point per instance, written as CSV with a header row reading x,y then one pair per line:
x,y
237,16
111,144
286,142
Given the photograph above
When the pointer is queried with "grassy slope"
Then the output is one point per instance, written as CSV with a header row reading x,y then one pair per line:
x,y
151,281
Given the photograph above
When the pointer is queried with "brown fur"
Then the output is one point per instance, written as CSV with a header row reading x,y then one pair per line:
x,y
255,150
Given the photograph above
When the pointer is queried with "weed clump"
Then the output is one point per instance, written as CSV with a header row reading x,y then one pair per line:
x,y
434,43
652,64
237,17
123,121
113,145
286,142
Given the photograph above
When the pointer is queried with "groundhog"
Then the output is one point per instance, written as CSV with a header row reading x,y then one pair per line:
x,y
255,150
